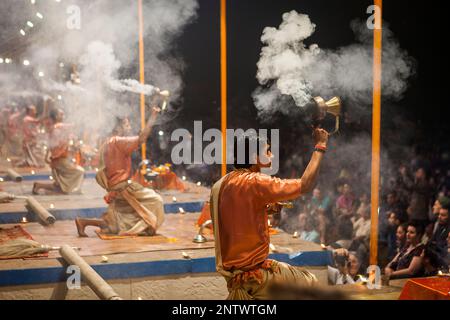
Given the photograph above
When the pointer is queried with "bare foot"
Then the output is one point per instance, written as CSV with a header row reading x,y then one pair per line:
x,y
35,190
80,227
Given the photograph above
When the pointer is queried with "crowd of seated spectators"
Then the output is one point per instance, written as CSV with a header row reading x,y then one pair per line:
x,y
413,223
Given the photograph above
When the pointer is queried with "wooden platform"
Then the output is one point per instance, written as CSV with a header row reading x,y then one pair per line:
x,y
176,233
131,258
34,174
128,258
142,257
90,203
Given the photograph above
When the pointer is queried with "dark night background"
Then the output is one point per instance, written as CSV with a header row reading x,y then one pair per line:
x,y
418,117
413,129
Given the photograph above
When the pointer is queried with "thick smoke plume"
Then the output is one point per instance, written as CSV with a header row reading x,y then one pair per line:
x,y
104,51
288,66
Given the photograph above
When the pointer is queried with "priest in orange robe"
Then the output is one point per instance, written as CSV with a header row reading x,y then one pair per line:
x,y
133,209
238,208
33,152
68,176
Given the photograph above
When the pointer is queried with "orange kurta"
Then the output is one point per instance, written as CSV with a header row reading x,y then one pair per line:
x,y
205,215
59,145
117,158
242,219
14,124
68,175
30,129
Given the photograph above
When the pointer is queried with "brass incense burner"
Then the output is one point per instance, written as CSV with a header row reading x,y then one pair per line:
x,y
332,106
200,238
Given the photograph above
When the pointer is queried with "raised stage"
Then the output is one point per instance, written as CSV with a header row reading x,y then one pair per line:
x,y
90,203
168,266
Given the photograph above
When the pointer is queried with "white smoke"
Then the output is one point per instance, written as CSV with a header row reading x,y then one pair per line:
x,y
105,52
99,64
288,67
131,85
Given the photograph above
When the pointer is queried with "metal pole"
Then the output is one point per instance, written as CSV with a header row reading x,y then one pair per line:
x,y
142,73
376,121
223,81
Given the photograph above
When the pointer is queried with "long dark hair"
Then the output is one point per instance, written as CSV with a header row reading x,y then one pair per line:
x,y
420,230
54,114
118,125
250,153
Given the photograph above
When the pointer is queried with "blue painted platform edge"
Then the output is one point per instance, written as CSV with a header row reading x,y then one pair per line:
x,y
45,176
116,271
71,214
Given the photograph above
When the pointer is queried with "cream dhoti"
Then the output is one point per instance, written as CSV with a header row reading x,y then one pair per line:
x,y
133,210
68,176
33,154
255,284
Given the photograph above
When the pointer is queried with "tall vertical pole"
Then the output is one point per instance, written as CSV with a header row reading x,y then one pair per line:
x,y
223,82
376,122
142,73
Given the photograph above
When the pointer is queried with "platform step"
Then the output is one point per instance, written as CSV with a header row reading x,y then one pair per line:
x,y
150,268
71,214
44,176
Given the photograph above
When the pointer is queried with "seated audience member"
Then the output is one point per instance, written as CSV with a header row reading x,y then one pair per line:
x,y
361,229
322,223
319,201
400,185
400,237
356,265
345,203
420,197
364,203
361,226
434,214
306,224
347,268
448,250
440,201
344,232
392,204
408,262
289,220
319,206
394,221
440,231
432,261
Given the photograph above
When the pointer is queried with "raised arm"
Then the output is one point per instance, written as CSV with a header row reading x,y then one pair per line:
x,y
143,136
309,177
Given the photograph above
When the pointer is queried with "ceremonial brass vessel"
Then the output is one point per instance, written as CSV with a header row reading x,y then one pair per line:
x,y
332,106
